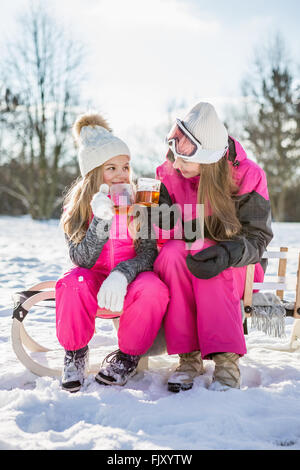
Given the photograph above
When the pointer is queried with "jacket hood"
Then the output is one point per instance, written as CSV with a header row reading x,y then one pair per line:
x,y
236,152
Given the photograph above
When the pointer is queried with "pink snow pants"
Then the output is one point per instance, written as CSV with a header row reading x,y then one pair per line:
x,y
203,314
76,306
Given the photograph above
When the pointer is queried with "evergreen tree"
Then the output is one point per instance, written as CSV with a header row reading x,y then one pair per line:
x,y
272,122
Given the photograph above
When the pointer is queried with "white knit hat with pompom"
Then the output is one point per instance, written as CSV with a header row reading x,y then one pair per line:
x,y
97,144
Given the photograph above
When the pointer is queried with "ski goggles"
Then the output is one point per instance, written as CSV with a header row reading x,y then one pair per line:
x,y
184,145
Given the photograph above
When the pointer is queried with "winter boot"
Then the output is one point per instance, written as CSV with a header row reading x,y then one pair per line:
x,y
75,367
117,368
227,373
190,366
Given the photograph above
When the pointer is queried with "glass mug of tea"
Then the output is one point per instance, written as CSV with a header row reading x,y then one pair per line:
x,y
122,196
147,193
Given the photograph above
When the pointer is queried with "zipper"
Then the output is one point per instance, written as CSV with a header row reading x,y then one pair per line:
x,y
111,254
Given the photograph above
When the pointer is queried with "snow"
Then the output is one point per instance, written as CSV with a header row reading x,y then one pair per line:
x,y
37,414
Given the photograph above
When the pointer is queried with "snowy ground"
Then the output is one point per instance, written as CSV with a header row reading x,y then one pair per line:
x,y
36,414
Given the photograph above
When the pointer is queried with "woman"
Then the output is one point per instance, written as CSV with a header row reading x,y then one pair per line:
x,y
109,264
205,166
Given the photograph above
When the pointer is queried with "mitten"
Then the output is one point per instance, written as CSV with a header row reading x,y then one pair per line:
x,y
112,292
213,260
102,206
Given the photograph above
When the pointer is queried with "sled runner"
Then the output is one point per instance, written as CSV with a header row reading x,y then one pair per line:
x,y
22,341
266,310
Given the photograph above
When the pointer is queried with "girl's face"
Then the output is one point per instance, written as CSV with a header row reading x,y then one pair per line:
x,y
187,169
116,170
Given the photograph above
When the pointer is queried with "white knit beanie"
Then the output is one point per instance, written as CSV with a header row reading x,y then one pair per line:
x,y
97,144
204,124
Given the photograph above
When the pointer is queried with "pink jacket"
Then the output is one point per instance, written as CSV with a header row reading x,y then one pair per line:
x,y
108,246
252,200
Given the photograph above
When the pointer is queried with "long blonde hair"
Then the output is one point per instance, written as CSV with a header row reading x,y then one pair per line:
x,y
77,209
215,191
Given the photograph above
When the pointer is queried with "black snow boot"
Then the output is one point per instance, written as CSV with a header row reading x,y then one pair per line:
x,y
75,368
117,368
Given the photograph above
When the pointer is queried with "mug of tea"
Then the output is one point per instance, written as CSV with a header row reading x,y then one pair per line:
x,y
147,193
122,196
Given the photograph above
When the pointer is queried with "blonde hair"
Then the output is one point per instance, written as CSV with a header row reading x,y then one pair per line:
x,y
215,191
77,210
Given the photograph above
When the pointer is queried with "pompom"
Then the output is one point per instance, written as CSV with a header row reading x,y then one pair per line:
x,y
89,120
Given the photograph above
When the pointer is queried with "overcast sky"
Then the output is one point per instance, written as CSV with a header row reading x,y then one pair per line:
x,y
142,54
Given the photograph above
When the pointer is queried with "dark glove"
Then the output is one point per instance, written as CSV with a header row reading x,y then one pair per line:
x,y
213,260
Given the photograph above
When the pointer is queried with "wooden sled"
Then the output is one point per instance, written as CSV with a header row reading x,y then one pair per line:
x,y
25,300
280,285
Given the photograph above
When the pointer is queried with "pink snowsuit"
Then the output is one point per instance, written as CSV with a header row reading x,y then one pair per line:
x,y
76,298
205,314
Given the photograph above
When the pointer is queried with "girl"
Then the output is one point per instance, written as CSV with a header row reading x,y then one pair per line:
x,y
205,166
110,265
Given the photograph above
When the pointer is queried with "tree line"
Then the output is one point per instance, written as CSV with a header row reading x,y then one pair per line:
x,y
40,81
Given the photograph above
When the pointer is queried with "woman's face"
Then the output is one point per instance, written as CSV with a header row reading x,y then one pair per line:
x,y
116,170
187,169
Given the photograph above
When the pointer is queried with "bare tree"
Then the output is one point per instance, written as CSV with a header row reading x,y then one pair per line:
x,y
42,71
272,120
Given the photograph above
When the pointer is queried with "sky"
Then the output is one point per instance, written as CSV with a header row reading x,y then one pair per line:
x,y
142,55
